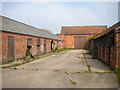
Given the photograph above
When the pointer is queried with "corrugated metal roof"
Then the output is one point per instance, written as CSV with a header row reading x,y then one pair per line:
x,y
82,29
13,26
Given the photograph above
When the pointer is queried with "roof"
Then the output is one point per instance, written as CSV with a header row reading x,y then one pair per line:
x,y
82,29
115,26
10,25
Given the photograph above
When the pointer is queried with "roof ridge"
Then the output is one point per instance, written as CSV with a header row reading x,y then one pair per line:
x,y
20,22
86,26
22,28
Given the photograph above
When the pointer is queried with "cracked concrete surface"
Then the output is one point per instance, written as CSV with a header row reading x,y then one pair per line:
x,y
49,72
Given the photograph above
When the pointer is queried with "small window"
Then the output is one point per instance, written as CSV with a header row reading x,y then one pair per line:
x,y
29,42
38,42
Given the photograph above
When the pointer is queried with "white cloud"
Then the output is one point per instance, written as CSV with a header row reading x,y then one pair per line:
x,y
51,16
60,0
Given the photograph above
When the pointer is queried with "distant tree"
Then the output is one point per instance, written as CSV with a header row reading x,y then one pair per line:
x,y
46,30
57,33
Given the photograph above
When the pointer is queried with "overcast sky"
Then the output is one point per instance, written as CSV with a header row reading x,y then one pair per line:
x,y
53,15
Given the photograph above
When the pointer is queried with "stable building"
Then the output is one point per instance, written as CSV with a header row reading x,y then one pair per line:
x,y
106,46
77,36
17,37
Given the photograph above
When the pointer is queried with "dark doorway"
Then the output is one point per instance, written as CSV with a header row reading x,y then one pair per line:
x,y
52,45
80,42
29,43
29,46
44,46
38,47
11,53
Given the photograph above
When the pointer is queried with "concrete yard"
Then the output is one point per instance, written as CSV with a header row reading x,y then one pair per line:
x,y
67,69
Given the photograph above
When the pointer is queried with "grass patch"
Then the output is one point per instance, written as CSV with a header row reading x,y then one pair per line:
x,y
59,50
117,71
27,61
78,72
14,65
86,71
104,72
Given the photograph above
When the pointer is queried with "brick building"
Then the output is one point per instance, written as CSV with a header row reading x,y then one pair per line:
x,y
106,46
77,36
16,37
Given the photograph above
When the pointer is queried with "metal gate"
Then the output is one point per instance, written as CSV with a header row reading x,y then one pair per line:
x,y
11,54
80,42
38,47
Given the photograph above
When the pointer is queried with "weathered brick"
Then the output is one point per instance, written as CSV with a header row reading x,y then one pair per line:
x,y
20,45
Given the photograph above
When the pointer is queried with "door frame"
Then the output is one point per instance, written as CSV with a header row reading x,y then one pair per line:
x,y
11,48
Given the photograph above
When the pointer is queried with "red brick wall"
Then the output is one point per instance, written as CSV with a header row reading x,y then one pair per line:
x,y
60,44
103,54
106,55
21,45
109,50
113,57
0,47
110,54
117,50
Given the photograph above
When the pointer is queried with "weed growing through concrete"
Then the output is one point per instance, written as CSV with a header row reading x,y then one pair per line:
x,y
55,70
117,71
78,72
72,82
89,69
36,69
67,73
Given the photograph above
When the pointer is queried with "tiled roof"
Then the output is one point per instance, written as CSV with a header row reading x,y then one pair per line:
x,y
82,29
10,25
117,25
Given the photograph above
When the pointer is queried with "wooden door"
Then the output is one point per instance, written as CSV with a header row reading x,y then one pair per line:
x,y
80,42
11,54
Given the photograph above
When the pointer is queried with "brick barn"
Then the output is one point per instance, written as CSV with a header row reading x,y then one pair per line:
x,y
16,37
106,46
76,36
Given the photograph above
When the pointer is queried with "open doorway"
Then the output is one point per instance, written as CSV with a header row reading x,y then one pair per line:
x,y
38,47
45,46
52,45
29,46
